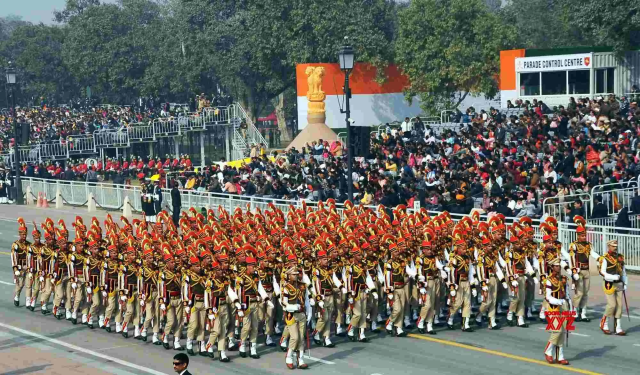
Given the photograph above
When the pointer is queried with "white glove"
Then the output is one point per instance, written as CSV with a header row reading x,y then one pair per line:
x,y
423,291
446,269
390,296
89,291
74,285
215,310
443,275
485,288
625,287
514,283
453,293
238,307
17,273
505,285
321,305
350,300
535,281
375,295
616,277
576,277
474,292
240,313
421,278
211,316
344,290
55,274
270,304
104,294
41,279
480,299
312,302
123,298
141,302
163,307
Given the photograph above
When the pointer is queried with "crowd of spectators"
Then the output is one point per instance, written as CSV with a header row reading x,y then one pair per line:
x,y
504,163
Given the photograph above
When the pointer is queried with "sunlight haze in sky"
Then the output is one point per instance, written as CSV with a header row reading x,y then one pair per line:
x,y
35,11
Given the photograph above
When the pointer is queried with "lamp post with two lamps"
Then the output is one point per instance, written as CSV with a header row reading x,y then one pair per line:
x,y
346,56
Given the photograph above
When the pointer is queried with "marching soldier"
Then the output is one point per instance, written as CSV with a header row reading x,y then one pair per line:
x,y
395,271
614,273
293,301
33,278
194,288
267,309
46,266
517,267
149,294
19,251
110,284
489,274
75,286
94,275
359,283
170,299
246,287
556,295
128,290
323,286
579,253
61,276
429,269
461,279
217,299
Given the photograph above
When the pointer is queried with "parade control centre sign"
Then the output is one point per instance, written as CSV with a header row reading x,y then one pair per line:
x,y
551,63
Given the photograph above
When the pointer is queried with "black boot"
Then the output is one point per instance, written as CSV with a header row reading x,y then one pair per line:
x,y
16,303
166,345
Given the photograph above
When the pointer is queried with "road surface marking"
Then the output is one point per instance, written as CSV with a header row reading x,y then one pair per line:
x,y
573,333
502,354
6,283
636,344
117,347
83,350
5,253
311,358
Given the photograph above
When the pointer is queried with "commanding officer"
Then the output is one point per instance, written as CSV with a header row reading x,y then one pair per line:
x,y
615,283
556,296
33,260
19,250
579,253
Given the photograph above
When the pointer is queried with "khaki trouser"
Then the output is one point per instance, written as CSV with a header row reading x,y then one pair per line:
x,y
373,305
60,289
152,312
323,325
411,300
582,290
33,286
517,298
340,302
175,309
46,290
250,323
530,292
488,305
296,331
132,313
427,311
558,336
196,327
614,302
267,314
112,307
234,321
219,329
96,303
76,295
359,313
462,300
399,301
19,281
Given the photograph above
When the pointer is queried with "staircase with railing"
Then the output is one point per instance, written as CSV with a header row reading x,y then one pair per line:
x,y
247,138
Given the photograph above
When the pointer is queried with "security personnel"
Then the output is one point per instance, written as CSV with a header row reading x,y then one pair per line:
x,y
395,272
194,287
461,279
46,263
61,275
94,269
580,252
323,287
429,268
33,260
128,289
149,293
110,284
170,300
556,295
267,309
357,289
246,286
613,271
293,302
75,286
489,275
19,251
517,266
217,297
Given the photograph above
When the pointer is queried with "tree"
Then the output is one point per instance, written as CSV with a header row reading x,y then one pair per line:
x,y
614,23
449,46
36,51
73,8
543,24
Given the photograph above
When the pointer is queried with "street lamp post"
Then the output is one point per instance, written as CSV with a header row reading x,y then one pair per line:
x,y
346,56
11,82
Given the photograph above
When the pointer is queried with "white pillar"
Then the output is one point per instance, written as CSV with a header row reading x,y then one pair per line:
x,y
59,203
29,200
177,148
226,142
202,148
91,204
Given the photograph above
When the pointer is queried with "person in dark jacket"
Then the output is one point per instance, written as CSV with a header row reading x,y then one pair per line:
x,y
623,220
599,209
176,203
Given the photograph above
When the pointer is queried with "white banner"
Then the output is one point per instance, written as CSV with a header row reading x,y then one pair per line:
x,y
551,63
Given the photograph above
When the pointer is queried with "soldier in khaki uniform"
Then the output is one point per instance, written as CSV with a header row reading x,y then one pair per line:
x,y
19,251
128,290
34,286
217,299
110,283
76,285
293,301
267,309
613,271
46,266
61,275
94,272
580,252
461,279
556,296
517,266
429,268
489,274
194,287
170,299
357,289
149,294
395,272
246,287
323,287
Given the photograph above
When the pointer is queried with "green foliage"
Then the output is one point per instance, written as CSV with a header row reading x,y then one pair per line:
x,y
448,46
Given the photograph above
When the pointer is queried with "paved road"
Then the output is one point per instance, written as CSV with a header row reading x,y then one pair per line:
x,y
31,342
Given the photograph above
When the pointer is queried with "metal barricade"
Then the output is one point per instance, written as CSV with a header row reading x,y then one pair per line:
x,y
117,138
80,145
141,133
216,116
615,196
559,206
166,127
55,151
28,154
